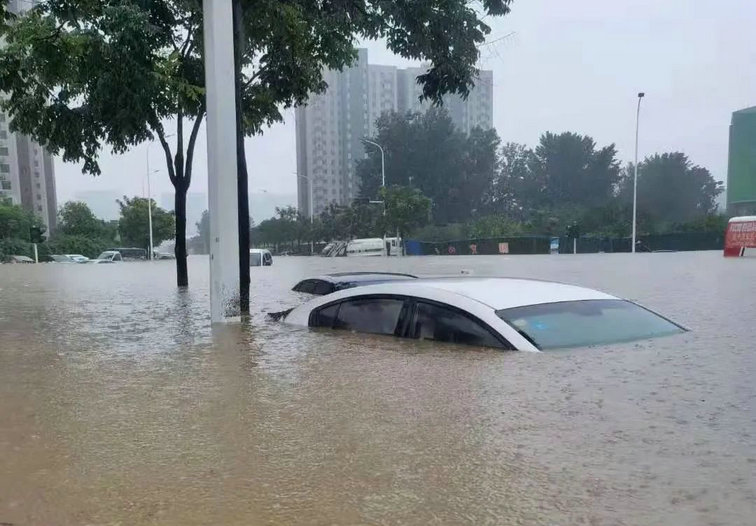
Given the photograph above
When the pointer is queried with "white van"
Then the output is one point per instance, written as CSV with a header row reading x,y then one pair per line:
x,y
260,257
374,246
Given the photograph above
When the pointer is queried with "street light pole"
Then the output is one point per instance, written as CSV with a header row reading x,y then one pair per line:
x,y
312,212
635,176
149,197
383,184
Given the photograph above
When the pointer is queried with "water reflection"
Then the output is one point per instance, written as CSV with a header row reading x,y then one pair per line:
x,y
120,404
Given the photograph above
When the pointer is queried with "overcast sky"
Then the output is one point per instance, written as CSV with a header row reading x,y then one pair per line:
x,y
569,66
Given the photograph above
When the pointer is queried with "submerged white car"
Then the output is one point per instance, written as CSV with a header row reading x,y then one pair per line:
x,y
506,313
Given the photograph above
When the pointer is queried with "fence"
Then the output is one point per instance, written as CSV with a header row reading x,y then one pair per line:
x,y
683,241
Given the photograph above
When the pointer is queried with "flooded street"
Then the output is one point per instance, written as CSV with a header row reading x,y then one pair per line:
x,y
119,405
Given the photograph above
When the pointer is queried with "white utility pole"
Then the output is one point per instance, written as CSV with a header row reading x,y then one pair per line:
x,y
312,212
383,184
221,160
635,176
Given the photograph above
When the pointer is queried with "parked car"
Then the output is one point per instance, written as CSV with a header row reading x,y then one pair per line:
x,y
130,254
162,255
78,258
109,256
20,259
61,258
505,313
260,257
330,283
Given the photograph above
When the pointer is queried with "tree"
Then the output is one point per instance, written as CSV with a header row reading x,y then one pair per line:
x,y
566,170
406,208
17,223
76,219
133,225
671,189
82,75
512,181
426,151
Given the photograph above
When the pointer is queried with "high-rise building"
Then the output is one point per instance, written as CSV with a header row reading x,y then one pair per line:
x,y
741,168
330,128
27,173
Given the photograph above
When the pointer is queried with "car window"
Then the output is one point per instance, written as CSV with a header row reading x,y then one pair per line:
x,y
325,317
372,315
255,259
443,324
307,286
322,287
117,257
586,323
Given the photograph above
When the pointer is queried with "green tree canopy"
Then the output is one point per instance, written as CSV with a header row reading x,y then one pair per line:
x,y
426,151
76,219
16,223
406,208
671,189
133,226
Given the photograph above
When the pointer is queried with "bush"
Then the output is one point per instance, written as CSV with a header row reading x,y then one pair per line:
x,y
15,247
85,246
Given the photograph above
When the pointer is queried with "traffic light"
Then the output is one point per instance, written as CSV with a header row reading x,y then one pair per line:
x,y
36,234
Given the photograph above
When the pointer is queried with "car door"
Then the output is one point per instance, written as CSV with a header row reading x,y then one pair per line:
x,y
443,323
366,314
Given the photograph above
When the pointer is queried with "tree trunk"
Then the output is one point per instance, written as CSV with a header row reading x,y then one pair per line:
x,y
241,163
182,273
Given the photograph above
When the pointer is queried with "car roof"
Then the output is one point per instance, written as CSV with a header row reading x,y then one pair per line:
x,y
258,250
497,293
357,277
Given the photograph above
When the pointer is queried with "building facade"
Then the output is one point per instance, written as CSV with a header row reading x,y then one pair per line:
x,y
330,128
27,171
741,166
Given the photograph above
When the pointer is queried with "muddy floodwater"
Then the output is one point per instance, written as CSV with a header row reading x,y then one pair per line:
x,y
120,405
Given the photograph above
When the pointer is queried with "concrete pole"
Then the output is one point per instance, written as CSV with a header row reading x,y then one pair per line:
x,y
221,160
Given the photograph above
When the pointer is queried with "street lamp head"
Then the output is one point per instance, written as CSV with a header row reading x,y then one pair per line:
x,y
641,95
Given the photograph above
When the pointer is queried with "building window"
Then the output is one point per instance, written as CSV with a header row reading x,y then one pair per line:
x,y
39,208
3,134
4,168
39,197
39,186
3,150
5,185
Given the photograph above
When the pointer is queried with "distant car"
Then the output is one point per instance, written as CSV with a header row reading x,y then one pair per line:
x,y
330,283
260,257
78,258
505,313
130,254
20,259
61,258
109,256
163,255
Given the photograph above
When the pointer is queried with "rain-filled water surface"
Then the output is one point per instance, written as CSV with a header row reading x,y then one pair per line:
x,y
119,404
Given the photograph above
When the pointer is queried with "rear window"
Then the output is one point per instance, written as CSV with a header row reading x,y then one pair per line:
x,y
586,323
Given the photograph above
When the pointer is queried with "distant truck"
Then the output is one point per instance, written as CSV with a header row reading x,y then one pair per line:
x,y
740,236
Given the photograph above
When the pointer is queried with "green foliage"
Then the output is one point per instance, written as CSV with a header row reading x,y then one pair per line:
x,y
15,247
17,223
76,219
494,226
133,225
406,208
426,151
77,244
671,189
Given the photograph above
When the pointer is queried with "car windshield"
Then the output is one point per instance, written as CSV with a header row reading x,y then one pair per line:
x,y
586,323
105,255
255,259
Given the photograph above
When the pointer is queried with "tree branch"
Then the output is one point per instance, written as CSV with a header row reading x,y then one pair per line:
x,y
190,146
167,150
